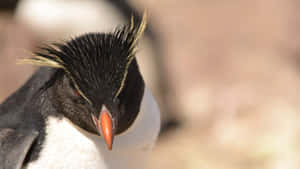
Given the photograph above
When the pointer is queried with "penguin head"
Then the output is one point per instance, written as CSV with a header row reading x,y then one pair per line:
x,y
97,84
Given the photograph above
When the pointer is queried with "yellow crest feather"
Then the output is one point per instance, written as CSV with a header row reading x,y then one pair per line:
x,y
40,61
138,35
139,31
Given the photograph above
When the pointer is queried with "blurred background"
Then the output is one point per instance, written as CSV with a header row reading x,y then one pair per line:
x,y
226,73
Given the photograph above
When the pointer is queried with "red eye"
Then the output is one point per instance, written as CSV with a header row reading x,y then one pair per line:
x,y
77,93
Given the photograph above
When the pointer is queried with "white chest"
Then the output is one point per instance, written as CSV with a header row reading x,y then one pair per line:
x,y
68,147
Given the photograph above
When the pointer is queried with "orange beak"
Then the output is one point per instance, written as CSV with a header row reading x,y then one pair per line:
x,y
105,127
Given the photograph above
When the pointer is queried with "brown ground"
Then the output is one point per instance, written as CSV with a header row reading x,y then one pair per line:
x,y
233,66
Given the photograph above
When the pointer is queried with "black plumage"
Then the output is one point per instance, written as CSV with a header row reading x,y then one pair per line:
x,y
89,55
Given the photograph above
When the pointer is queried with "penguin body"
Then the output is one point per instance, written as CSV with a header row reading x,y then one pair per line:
x,y
88,108
66,146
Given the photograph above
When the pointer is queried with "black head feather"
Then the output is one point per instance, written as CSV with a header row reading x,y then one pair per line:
x,y
93,60
86,57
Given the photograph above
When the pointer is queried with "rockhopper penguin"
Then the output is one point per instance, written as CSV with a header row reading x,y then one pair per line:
x,y
86,108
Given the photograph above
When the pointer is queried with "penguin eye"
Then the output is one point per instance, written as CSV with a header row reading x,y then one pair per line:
x,y
77,92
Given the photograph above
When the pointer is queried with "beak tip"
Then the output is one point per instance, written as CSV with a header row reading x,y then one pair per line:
x,y
109,143
109,147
